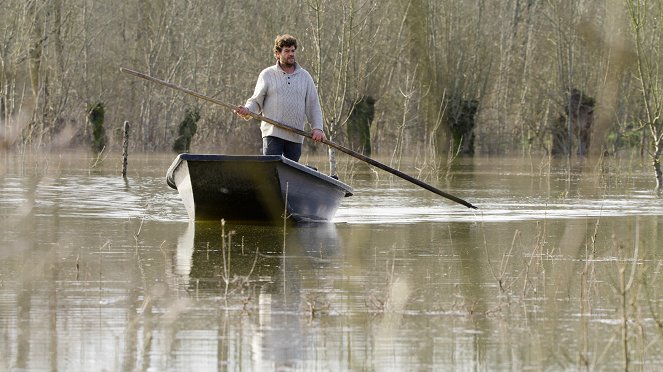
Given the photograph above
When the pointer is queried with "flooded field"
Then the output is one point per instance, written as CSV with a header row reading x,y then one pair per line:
x,y
558,269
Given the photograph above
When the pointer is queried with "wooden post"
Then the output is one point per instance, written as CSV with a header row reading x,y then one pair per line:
x,y
125,149
332,156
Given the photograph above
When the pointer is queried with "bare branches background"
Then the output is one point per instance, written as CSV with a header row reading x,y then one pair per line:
x,y
517,59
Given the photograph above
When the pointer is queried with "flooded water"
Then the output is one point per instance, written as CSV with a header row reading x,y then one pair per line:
x,y
558,269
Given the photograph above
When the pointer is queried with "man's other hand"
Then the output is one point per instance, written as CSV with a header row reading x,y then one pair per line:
x,y
243,112
317,135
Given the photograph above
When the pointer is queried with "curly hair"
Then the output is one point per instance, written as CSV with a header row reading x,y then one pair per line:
x,y
284,41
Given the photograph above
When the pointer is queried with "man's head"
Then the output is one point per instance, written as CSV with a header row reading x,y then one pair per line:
x,y
282,41
285,47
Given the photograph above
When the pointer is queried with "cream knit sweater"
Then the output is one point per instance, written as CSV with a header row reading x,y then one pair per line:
x,y
291,99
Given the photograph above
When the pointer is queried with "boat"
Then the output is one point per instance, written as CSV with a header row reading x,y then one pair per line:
x,y
254,188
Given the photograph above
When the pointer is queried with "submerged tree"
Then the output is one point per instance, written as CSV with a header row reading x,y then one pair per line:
x,y
573,127
95,116
460,115
359,125
186,131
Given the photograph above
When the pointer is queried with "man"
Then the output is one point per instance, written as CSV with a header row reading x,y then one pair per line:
x,y
285,92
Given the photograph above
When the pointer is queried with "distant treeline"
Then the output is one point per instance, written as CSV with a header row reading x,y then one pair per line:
x,y
400,77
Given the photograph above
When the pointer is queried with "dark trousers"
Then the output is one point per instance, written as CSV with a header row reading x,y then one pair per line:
x,y
279,146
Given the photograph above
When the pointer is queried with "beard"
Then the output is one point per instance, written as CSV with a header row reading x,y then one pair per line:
x,y
289,62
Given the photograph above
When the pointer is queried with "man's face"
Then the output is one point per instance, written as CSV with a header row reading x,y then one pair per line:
x,y
287,56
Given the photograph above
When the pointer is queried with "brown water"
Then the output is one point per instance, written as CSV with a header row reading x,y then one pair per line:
x,y
559,269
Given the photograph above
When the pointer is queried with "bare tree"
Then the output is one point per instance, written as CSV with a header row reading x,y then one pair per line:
x,y
449,45
345,49
645,17
9,43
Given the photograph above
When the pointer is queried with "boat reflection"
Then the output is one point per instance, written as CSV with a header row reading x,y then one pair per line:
x,y
207,250
270,276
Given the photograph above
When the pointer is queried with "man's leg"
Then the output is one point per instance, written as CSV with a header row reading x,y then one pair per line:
x,y
278,146
272,146
292,150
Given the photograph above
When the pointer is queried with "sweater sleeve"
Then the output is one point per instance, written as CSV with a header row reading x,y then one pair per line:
x,y
313,109
256,102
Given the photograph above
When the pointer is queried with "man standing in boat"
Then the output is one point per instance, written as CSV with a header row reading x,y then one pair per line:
x,y
286,93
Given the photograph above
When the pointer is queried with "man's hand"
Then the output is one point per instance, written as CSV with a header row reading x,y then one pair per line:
x,y
243,112
317,135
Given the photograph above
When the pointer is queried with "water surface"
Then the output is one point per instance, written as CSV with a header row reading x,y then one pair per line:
x,y
558,269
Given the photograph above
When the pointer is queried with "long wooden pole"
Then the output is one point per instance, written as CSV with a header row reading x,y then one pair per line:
x,y
308,135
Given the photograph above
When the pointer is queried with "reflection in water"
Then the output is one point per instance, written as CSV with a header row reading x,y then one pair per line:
x,y
206,247
265,272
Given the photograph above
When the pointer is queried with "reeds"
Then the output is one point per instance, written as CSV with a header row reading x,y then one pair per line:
x,y
611,260
229,277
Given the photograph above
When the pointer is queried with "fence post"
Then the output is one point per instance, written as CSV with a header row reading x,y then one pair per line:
x,y
125,149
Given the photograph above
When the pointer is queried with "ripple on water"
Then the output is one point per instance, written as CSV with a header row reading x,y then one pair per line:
x,y
92,197
404,206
